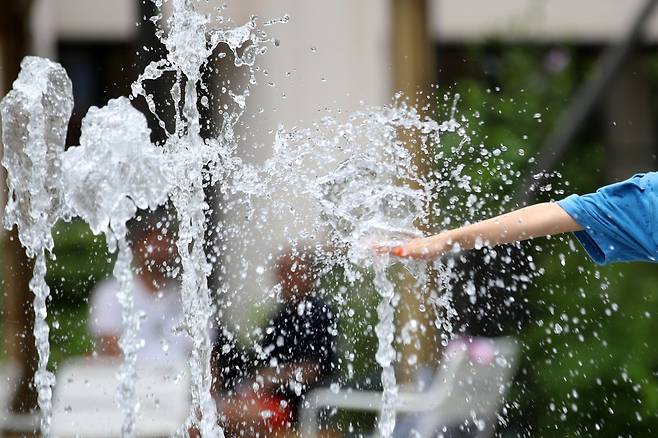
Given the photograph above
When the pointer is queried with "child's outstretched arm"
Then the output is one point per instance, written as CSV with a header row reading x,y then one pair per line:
x,y
529,222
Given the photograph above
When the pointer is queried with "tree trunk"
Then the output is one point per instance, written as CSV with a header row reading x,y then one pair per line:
x,y
21,350
414,71
413,52
630,135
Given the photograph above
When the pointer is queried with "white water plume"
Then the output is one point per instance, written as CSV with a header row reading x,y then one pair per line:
x,y
113,172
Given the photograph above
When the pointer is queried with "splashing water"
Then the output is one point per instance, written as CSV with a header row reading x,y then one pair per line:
x,y
358,173
365,199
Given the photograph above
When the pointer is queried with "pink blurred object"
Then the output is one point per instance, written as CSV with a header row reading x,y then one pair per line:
x,y
480,350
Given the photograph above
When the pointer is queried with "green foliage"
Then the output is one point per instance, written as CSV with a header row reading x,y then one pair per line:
x,y
590,349
589,362
357,318
80,261
69,335
514,105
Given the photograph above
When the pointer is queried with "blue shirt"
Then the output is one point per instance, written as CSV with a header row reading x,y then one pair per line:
x,y
619,220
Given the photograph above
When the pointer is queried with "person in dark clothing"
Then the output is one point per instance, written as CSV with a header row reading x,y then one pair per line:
x,y
297,352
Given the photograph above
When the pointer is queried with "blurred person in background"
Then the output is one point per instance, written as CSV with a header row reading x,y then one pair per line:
x,y
297,352
156,297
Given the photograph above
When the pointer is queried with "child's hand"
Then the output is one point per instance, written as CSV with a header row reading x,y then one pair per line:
x,y
420,249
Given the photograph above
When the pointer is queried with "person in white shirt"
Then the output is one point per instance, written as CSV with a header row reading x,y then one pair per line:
x,y
156,297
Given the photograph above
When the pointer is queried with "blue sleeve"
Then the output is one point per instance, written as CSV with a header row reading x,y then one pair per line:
x,y
618,220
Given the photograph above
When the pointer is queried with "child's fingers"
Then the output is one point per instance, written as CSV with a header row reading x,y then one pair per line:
x,y
381,249
397,251
415,249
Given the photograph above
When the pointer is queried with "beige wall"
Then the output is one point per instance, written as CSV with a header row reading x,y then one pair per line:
x,y
561,20
93,19
81,20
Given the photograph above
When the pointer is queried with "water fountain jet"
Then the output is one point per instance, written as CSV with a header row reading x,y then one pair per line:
x,y
34,122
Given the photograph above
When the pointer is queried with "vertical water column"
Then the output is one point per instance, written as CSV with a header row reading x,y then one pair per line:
x,y
35,116
195,161
363,205
188,51
129,341
385,330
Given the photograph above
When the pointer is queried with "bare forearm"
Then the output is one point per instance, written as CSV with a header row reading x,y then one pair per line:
x,y
534,221
529,222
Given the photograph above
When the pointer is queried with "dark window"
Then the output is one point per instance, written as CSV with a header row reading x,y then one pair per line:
x,y
100,71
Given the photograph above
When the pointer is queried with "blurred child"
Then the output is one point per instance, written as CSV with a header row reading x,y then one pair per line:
x,y
296,353
614,224
156,298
